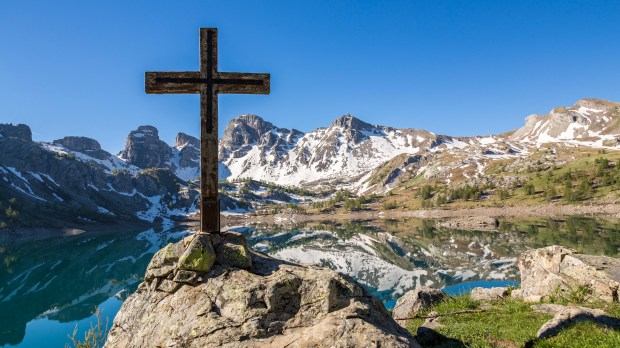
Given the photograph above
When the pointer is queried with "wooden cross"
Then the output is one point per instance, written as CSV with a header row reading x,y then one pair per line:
x,y
208,82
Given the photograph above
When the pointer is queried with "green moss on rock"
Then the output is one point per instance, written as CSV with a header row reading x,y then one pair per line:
x,y
199,255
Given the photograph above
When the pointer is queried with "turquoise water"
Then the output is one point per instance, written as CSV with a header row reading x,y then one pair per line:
x,y
48,286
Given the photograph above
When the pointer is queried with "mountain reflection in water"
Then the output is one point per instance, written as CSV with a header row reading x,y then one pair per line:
x,y
48,285
64,279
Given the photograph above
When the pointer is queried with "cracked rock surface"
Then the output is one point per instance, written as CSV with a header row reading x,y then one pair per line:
x,y
247,299
556,270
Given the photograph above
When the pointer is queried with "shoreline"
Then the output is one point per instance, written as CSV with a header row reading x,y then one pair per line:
x,y
608,211
605,211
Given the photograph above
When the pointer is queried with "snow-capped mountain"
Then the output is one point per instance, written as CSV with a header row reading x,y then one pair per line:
x,y
590,122
340,154
73,181
150,179
144,149
354,154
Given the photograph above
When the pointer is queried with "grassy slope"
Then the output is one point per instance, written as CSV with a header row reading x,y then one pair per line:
x,y
576,160
513,323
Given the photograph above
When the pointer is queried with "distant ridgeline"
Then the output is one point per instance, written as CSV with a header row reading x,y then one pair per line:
x,y
72,181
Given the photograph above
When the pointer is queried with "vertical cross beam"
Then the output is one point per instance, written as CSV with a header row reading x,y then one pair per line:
x,y
209,202
208,82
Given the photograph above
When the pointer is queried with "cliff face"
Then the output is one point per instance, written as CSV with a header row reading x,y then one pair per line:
x,y
72,181
144,149
212,291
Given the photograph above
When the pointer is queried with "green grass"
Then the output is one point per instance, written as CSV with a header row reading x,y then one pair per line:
x,y
512,323
583,335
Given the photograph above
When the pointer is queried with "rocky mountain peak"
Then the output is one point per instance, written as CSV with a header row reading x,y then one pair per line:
x,y
80,144
244,130
254,122
144,149
19,131
183,140
351,122
84,145
146,131
594,103
590,121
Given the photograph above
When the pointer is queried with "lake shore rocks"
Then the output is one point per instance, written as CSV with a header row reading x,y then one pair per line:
x,y
415,301
471,223
556,271
212,290
489,294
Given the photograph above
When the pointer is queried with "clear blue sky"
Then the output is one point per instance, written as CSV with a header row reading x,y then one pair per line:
x,y
452,67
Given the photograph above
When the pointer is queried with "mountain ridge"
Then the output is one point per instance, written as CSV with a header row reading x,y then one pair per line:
x,y
152,180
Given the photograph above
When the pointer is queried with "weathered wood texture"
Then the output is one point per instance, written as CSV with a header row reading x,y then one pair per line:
x,y
207,82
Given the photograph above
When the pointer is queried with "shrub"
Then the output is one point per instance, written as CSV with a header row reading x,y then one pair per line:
x,y
390,205
529,188
94,337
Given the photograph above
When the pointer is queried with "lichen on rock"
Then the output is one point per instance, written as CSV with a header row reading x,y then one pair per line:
x,y
232,249
199,255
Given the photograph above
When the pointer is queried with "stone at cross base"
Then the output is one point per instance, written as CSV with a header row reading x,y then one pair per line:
x,y
211,290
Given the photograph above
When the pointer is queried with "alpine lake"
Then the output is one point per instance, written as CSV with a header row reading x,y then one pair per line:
x,y
51,285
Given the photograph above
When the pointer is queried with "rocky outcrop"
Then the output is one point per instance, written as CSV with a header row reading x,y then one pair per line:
x,y
472,223
144,149
189,150
74,182
558,271
84,145
427,333
588,120
247,131
415,301
564,316
212,291
489,294
18,131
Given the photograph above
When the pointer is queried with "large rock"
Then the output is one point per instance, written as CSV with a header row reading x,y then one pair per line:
x,y
271,304
489,294
564,316
557,271
415,301
427,333
199,255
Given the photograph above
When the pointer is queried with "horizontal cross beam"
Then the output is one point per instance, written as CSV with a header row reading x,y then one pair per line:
x,y
189,82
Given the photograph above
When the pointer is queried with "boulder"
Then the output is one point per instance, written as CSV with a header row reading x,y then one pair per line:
x,y
415,301
199,255
164,262
427,332
567,315
233,250
489,294
270,303
557,271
